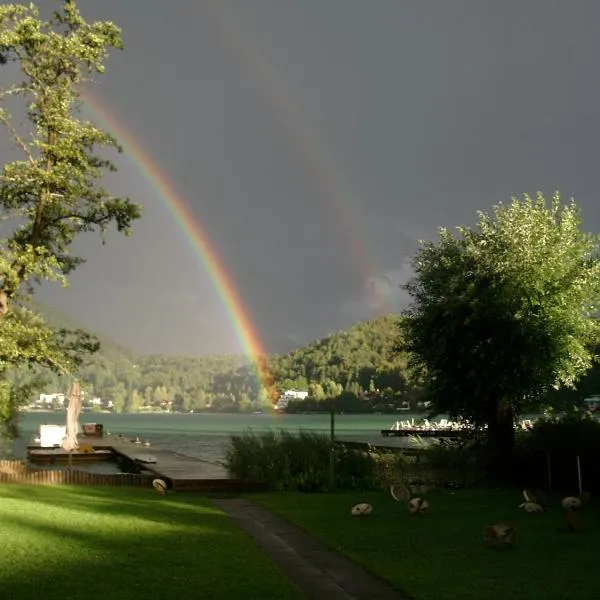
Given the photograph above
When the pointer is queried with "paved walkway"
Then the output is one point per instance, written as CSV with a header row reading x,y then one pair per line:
x,y
319,572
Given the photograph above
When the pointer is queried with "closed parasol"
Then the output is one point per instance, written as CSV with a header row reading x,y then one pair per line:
x,y
70,442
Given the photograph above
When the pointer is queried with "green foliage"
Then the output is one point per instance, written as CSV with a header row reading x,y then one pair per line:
x,y
51,193
54,188
288,461
572,433
349,360
28,346
459,463
501,313
555,442
229,383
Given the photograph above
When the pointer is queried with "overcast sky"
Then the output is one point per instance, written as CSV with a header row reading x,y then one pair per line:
x,y
316,140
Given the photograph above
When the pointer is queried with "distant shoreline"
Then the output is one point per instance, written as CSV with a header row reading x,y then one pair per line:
x,y
214,412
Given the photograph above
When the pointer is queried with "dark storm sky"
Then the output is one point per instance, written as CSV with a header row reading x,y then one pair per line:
x,y
317,140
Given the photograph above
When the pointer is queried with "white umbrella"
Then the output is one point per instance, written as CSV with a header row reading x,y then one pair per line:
x,y
70,442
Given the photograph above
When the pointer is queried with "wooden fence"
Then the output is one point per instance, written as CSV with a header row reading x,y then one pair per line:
x,y
16,471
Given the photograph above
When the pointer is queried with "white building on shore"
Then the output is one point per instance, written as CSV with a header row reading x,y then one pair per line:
x,y
49,400
284,399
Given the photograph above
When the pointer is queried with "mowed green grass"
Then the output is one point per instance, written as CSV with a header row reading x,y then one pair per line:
x,y
441,556
118,543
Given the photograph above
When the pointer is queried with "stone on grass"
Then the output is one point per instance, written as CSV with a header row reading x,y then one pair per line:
x,y
362,509
160,486
571,502
418,506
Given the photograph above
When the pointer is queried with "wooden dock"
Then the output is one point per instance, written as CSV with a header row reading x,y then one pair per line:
x,y
182,473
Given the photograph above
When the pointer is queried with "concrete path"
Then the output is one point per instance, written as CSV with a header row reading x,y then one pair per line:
x,y
319,572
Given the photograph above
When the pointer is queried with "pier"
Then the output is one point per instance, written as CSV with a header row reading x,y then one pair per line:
x,y
180,472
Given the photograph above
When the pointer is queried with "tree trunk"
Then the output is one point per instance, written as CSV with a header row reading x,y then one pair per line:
x,y
501,443
3,303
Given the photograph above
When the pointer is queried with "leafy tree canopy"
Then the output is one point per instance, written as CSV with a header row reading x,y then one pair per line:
x,y
51,193
503,312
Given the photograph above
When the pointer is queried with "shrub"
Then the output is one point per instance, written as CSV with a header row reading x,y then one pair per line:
x,y
300,462
454,462
547,455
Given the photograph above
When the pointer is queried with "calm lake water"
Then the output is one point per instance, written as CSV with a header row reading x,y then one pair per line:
x,y
206,435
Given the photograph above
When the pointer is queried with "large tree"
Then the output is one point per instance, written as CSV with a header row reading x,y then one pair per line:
x,y
52,191
502,312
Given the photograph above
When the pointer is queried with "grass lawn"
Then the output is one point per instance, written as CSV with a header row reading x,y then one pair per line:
x,y
441,555
118,543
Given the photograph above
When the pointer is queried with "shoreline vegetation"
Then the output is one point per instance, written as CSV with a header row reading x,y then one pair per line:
x,y
208,411
557,452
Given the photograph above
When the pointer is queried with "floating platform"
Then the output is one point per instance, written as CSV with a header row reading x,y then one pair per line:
x,y
426,433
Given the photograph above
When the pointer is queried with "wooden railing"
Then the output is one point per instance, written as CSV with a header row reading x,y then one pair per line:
x,y
16,471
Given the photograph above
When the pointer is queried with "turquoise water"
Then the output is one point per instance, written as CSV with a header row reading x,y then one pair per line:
x,y
206,435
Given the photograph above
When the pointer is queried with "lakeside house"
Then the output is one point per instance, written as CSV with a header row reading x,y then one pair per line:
x,y
285,398
59,401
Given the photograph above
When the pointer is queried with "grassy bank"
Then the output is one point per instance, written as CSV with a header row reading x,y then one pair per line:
x,y
61,542
441,556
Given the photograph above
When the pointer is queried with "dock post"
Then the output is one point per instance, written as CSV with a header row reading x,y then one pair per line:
x,y
332,448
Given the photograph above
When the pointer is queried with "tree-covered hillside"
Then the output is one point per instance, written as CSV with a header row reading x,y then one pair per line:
x,y
360,358
357,360
360,364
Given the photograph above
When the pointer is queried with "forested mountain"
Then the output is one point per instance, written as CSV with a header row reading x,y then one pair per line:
x,y
360,358
360,363
356,360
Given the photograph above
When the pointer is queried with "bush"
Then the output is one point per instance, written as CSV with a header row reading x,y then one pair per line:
x,y
454,462
300,462
556,442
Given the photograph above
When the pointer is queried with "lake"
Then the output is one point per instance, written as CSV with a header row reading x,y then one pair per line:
x,y
206,435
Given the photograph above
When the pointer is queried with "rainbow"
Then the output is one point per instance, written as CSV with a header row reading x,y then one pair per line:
x,y
302,131
166,191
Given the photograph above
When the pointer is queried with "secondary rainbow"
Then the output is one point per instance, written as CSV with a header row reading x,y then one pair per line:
x,y
303,132
167,193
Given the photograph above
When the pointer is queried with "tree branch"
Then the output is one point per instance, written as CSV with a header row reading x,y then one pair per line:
x,y
19,141
13,90
84,219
